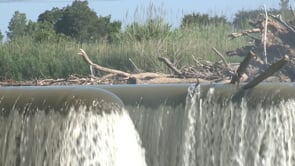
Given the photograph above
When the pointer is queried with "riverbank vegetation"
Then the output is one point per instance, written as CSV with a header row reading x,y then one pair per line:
x,y
48,48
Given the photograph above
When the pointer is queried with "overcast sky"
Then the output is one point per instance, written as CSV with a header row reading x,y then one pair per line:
x,y
130,10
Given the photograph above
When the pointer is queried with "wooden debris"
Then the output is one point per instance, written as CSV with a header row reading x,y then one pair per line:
x,y
277,39
264,36
98,67
221,56
242,68
270,71
244,33
171,66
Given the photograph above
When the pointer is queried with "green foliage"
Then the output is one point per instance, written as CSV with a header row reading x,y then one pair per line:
x,y
1,37
41,31
24,59
81,23
17,25
242,18
286,10
151,29
52,16
202,20
106,29
44,51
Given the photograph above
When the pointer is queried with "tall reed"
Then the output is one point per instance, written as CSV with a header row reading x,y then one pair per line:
x,y
141,43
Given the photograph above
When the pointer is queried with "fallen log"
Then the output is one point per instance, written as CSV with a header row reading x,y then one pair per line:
x,y
268,72
145,77
98,67
244,33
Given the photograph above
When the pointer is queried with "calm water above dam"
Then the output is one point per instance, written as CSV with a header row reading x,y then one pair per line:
x,y
148,125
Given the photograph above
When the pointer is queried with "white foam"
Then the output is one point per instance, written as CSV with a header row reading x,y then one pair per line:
x,y
107,139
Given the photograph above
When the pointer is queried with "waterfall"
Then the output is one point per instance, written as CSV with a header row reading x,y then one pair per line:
x,y
81,137
158,125
239,134
193,101
210,129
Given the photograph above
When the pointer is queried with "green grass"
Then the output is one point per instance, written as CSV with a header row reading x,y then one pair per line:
x,y
24,59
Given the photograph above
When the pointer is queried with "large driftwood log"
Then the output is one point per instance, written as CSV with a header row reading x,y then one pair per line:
x,y
237,97
144,77
270,71
101,68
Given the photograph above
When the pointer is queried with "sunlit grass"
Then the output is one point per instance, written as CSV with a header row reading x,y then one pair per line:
x,y
142,43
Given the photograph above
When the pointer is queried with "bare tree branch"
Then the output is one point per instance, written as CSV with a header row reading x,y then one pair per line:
x,y
171,66
264,38
98,67
221,56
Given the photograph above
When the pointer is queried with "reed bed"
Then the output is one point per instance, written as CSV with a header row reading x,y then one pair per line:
x,y
25,59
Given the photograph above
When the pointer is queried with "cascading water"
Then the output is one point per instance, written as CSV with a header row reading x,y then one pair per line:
x,y
212,129
81,138
73,133
193,100
207,125
107,139
229,133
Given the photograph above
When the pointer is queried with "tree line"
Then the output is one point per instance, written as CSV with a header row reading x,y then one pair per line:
x,y
78,22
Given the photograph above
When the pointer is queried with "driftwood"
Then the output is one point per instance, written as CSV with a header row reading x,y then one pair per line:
x,y
244,33
277,39
204,71
135,78
242,68
237,97
221,56
98,67
171,66
264,36
270,71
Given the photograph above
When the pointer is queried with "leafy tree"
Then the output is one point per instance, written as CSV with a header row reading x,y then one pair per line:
x,y
17,25
113,29
52,16
81,23
41,31
202,20
107,29
1,37
77,21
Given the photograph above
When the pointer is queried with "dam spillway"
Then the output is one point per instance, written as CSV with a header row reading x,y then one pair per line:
x,y
153,125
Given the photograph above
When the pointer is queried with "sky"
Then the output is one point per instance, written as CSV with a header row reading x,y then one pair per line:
x,y
128,11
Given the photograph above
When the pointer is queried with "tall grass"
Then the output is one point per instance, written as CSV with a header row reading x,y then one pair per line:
x,y
24,59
